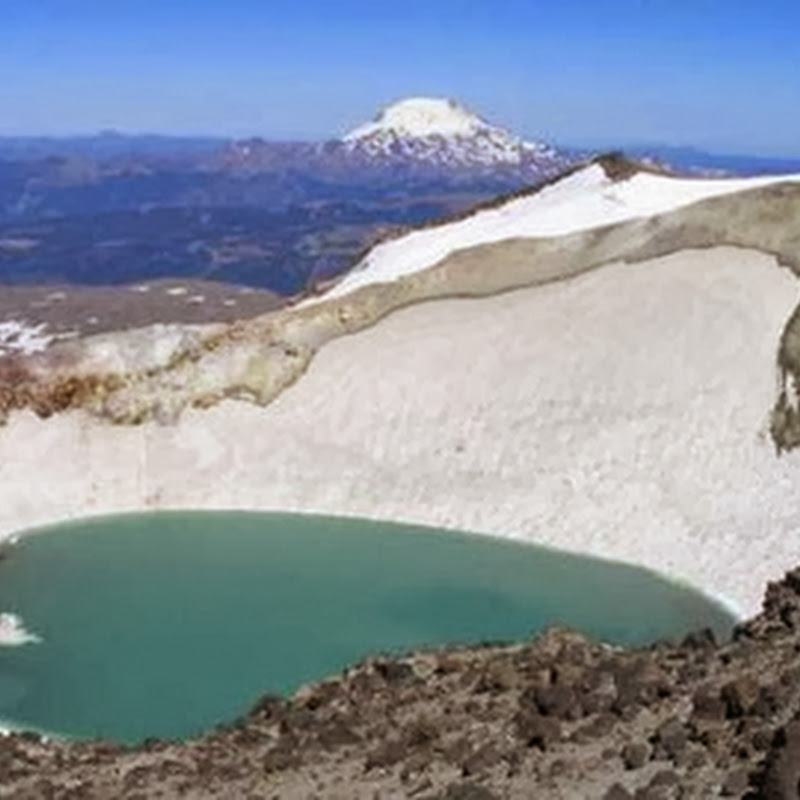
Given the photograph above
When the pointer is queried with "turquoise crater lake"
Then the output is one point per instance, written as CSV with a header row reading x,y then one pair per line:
x,y
166,624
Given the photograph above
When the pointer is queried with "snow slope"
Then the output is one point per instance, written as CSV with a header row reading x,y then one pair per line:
x,y
583,200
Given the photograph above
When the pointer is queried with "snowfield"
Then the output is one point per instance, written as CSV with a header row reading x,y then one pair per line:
x,y
584,200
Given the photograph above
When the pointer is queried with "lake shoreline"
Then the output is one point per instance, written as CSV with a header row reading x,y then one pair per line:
x,y
625,720
9,542
272,599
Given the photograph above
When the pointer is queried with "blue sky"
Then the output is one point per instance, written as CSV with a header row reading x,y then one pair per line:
x,y
718,74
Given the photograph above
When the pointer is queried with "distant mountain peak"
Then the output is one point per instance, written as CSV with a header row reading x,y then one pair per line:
x,y
443,133
419,117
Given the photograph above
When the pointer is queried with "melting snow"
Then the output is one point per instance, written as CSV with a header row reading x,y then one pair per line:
x,y
13,633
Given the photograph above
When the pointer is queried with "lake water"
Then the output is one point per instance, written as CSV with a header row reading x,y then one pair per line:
x,y
166,624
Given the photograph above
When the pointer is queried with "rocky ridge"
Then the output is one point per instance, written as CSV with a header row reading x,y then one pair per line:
x,y
559,716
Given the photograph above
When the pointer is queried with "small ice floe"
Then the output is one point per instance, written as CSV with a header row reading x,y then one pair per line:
x,y
92,320
19,337
142,288
177,291
55,297
13,633
197,299
229,302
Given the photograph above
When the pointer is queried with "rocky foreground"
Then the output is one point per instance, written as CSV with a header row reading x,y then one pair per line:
x,y
558,717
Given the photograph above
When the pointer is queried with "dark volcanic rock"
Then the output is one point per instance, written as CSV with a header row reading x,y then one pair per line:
x,y
670,739
735,784
635,755
781,777
617,792
561,702
536,730
708,704
740,695
467,791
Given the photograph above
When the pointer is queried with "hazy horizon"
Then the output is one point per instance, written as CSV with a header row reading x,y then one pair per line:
x,y
589,147
718,76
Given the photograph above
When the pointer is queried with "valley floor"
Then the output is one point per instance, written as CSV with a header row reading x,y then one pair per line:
x,y
33,316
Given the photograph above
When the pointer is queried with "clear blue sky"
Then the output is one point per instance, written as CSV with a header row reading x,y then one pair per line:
x,y
719,74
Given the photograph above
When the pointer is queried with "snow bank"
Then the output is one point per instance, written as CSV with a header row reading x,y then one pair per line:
x,y
586,199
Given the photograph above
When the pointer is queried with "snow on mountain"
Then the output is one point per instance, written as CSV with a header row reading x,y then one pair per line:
x,y
443,133
421,116
584,199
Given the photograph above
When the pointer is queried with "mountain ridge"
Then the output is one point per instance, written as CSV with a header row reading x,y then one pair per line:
x,y
414,135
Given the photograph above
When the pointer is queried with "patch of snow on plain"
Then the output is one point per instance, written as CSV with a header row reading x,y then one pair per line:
x,y
19,337
583,200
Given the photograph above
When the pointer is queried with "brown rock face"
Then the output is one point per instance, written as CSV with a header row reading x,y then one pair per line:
x,y
781,776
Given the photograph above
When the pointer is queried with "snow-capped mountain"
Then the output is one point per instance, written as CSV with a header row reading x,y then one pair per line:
x,y
419,137
442,133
